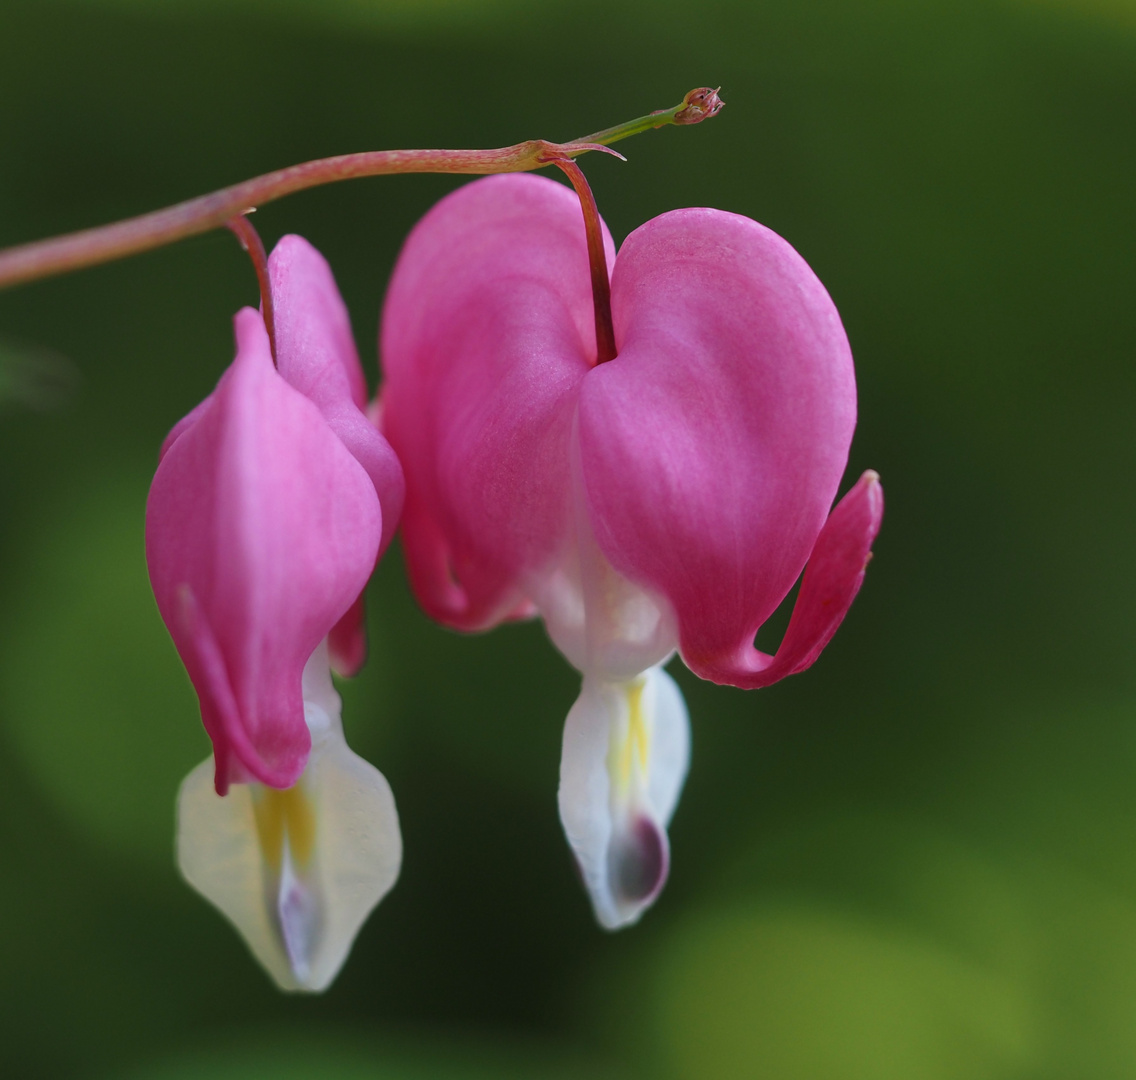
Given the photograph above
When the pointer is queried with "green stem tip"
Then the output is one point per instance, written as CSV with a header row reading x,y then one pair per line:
x,y
698,105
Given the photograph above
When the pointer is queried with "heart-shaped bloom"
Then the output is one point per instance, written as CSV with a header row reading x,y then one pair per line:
x,y
666,500
271,503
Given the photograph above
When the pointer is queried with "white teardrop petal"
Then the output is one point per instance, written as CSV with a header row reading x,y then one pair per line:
x,y
297,899
296,871
625,755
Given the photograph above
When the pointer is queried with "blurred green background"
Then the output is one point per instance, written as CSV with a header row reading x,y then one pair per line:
x,y
917,861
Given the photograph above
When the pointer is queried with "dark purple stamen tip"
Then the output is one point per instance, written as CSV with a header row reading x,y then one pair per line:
x,y
639,861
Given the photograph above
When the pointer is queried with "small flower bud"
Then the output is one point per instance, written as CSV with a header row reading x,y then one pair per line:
x,y
699,105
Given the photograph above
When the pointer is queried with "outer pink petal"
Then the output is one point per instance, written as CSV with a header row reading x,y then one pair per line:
x,y
261,529
487,334
315,352
183,425
712,446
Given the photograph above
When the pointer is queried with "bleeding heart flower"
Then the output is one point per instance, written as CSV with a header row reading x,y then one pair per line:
x,y
666,500
271,503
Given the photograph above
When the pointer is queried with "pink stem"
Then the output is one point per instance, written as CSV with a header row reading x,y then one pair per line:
x,y
597,260
246,233
90,246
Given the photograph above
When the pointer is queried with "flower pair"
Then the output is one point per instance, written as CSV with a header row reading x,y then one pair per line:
x,y
665,501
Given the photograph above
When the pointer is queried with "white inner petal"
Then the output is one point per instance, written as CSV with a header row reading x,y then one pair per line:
x,y
322,705
296,871
625,756
604,624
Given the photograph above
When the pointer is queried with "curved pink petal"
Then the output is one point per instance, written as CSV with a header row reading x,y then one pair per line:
x,y
261,530
712,446
488,332
833,577
315,352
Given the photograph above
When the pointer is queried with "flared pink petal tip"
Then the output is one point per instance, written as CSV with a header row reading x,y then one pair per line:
x,y
832,579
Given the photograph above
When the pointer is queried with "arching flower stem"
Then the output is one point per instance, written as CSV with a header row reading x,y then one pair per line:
x,y
597,259
250,240
44,258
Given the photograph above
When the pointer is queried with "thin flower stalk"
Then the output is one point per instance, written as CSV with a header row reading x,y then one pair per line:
x,y
73,251
246,233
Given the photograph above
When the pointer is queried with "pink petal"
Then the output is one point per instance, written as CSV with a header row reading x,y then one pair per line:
x,y
183,425
315,352
832,579
487,334
261,530
347,642
318,355
712,446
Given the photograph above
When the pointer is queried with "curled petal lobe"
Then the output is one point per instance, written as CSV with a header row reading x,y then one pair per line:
x,y
713,445
625,756
298,870
488,333
832,579
261,531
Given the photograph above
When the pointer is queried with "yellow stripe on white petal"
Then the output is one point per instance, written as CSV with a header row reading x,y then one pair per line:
x,y
296,871
625,756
